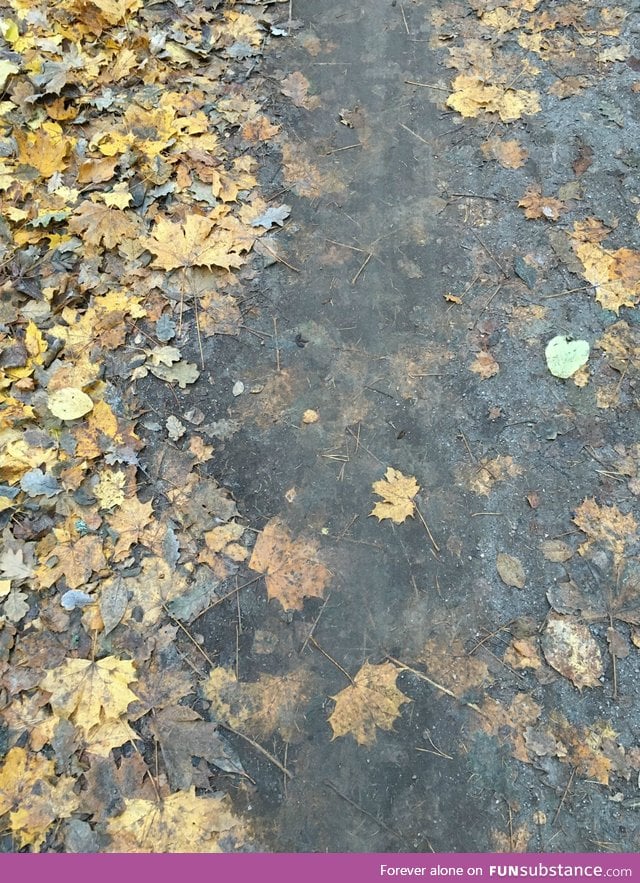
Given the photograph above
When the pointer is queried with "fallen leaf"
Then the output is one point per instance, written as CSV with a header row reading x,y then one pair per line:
x,y
69,403
511,570
310,416
372,701
565,356
606,525
570,649
538,206
88,693
556,550
482,476
291,567
180,822
473,96
197,242
35,795
509,154
271,705
485,365
397,492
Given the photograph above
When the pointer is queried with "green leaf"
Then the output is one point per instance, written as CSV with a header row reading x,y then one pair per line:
x,y
564,355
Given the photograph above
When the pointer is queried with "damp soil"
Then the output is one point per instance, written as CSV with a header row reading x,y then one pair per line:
x,y
361,333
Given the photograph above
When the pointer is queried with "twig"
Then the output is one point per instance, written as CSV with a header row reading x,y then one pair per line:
x,y
475,196
278,258
568,291
364,448
227,596
415,134
426,85
434,684
466,444
490,253
275,340
315,623
260,748
426,527
338,149
189,635
366,261
486,305
404,19
313,641
344,245
380,392
564,796
361,809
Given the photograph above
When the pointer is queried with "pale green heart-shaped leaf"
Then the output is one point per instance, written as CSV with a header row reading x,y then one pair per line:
x,y
564,356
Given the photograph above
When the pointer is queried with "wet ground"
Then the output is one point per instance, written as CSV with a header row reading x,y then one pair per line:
x,y
394,206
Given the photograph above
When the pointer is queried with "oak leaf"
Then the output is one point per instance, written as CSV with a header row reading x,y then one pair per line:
x,y
291,567
197,242
397,492
90,693
372,701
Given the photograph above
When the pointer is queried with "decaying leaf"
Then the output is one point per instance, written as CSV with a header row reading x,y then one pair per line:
x,y
538,206
372,701
34,795
606,525
485,365
615,275
291,567
511,570
397,492
482,476
510,154
565,356
267,706
180,822
570,648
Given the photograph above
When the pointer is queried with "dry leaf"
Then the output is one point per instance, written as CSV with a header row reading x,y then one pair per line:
x,y
180,822
570,648
88,693
606,525
538,206
291,567
397,492
372,701
509,154
473,96
482,476
197,242
511,570
485,365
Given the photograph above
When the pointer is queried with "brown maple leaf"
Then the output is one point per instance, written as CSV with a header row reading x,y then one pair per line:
x,y
538,206
77,560
129,523
100,225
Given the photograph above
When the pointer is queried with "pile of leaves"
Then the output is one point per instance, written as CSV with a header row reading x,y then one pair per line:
x,y
130,202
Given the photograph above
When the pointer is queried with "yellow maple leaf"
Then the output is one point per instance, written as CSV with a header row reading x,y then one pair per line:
x,y
34,796
510,154
129,524
615,275
473,96
397,492
291,568
89,693
181,822
44,150
371,701
109,491
198,242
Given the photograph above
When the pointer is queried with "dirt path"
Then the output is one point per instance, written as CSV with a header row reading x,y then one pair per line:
x,y
394,208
